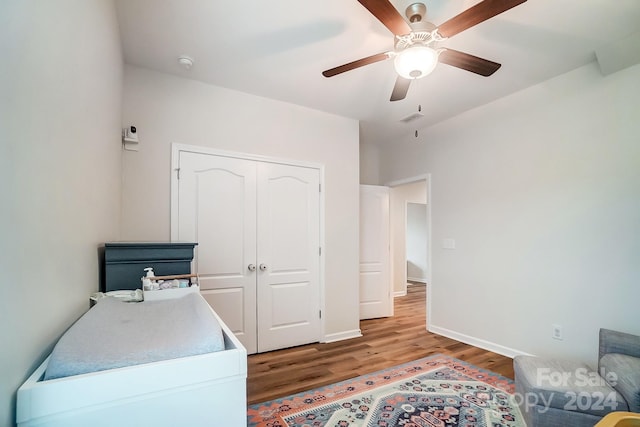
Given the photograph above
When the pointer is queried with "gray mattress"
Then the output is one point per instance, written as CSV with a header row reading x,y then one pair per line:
x,y
115,334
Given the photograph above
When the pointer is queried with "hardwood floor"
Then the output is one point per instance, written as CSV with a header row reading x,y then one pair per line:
x,y
385,343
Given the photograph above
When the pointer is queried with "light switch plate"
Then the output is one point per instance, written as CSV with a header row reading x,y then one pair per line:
x,y
448,244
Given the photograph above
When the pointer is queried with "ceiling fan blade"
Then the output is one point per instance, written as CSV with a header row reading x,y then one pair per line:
x,y
400,89
468,62
476,14
388,15
356,64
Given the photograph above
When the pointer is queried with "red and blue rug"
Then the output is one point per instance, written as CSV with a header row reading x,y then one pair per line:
x,y
434,391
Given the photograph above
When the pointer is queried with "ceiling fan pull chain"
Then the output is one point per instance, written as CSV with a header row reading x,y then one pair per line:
x,y
419,110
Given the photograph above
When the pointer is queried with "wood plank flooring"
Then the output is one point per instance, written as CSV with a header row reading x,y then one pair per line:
x,y
385,343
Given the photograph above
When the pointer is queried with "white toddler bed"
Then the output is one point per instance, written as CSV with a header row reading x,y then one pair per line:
x,y
206,389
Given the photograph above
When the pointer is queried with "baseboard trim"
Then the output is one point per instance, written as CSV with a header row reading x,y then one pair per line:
x,y
340,336
477,342
397,294
418,279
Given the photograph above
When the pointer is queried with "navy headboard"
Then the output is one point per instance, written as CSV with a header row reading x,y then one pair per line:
x,y
124,262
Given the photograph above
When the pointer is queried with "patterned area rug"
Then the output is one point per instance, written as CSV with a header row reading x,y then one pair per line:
x,y
434,391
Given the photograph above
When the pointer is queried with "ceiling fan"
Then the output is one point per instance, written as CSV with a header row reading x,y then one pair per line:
x,y
415,43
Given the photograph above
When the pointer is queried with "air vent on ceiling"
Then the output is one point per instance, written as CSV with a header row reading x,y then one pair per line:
x,y
412,117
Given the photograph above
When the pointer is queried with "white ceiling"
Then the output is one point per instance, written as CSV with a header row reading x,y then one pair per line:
x,y
278,49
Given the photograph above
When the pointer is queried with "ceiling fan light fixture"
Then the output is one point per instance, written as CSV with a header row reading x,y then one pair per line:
x,y
415,62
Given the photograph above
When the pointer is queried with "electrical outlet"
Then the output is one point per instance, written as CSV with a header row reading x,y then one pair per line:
x,y
556,332
448,244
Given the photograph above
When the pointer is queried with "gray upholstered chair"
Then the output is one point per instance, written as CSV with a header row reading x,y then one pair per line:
x,y
562,393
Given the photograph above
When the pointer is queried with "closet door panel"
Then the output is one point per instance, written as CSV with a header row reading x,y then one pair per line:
x,y
288,256
217,209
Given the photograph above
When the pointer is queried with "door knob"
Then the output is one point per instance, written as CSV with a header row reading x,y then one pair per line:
x,y
263,267
251,267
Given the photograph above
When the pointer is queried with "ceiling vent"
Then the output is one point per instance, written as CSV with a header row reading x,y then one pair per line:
x,y
412,117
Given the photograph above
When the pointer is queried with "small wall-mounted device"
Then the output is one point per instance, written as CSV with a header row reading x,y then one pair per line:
x,y
130,138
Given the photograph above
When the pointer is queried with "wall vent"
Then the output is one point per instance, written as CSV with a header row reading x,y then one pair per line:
x,y
412,117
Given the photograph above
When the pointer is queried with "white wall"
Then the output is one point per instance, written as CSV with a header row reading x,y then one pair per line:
x,y
417,242
541,192
60,108
369,164
169,109
399,196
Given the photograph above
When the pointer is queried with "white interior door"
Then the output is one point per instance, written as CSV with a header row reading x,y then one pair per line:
x,y
217,209
257,225
375,278
288,256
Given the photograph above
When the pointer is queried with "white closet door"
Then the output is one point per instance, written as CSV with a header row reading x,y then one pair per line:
x,y
288,256
375,278
217,209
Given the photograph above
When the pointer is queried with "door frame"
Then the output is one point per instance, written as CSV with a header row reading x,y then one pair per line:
x,y
176,148
427,179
